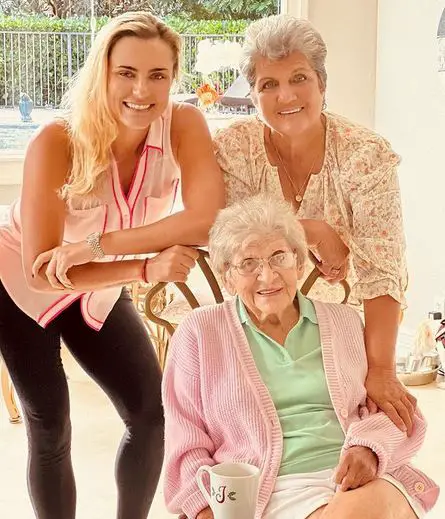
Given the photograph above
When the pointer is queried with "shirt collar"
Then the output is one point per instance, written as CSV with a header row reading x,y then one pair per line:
x,y
155,134
307,310
242,312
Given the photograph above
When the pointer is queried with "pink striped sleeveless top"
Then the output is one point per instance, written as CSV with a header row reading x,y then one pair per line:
x,y
150,198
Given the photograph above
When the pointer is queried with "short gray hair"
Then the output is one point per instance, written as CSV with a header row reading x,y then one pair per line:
x,y
278,36
261,215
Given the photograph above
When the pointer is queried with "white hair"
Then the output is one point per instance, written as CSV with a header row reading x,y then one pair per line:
x,y
278,36
261,215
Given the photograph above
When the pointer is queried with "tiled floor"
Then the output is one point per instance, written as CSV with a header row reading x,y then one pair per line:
x,y
96,433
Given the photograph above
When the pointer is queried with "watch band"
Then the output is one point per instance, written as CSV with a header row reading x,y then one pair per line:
x,y
93,241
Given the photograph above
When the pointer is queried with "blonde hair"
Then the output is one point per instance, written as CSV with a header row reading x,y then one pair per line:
x,y
91,126
261,215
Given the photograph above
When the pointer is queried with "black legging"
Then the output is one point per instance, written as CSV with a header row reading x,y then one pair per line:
x,y
122,361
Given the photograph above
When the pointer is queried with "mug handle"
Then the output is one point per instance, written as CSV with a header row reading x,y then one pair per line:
x,y
199,474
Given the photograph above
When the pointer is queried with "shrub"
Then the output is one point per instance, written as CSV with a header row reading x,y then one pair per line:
x,y
39,55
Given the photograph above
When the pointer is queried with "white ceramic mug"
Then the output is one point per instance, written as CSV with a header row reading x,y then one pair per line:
x,y
233,489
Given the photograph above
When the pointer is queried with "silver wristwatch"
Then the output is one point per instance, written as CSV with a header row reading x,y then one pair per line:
x,y
93,241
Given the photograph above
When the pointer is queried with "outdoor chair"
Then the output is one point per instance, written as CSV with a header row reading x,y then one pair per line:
x,y
236,98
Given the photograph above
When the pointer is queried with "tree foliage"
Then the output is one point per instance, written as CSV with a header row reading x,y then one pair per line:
x,y
243,9
40,23
188,9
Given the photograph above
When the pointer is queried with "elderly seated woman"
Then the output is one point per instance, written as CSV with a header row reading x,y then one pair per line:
x,y
274,379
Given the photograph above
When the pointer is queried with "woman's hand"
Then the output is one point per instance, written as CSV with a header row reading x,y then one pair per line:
x,y
205,514
329,248
358,466
60,260
386,392
172,264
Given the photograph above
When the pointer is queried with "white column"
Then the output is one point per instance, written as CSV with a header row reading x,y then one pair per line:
x,y
296,7
349,28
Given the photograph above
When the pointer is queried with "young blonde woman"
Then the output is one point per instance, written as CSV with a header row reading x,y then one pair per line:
x,y
100,185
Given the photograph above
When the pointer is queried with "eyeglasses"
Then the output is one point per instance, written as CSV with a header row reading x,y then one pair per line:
x,y
251,266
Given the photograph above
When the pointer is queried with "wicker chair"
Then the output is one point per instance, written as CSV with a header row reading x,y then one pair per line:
x,y
168,316
171,314
8,394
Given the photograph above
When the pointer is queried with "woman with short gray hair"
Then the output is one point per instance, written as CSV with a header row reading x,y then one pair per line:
x,y
340,177
278,36
274,379
265,216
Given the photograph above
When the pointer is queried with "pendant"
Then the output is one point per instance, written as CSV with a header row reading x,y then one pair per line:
x,y
299,198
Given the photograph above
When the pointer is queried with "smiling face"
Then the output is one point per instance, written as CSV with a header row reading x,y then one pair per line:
x,y
270,291
287,93
140,74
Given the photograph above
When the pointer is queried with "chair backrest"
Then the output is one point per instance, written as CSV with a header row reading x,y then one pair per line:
x,y
315,274
186,292
216,290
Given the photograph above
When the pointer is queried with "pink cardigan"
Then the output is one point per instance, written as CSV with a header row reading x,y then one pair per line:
x,y
218,409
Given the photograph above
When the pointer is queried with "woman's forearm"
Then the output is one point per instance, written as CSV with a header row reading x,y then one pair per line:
x,y
94,276
188,227
311,230
382,318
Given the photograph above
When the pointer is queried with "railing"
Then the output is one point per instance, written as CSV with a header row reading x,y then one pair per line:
x,y
42,63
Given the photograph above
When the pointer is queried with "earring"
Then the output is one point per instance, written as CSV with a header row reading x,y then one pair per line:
x,y
324,105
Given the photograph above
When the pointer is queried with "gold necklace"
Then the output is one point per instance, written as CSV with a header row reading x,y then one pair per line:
x,y
298,195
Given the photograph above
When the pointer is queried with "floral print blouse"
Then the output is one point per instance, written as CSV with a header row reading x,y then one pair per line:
x,y
356,192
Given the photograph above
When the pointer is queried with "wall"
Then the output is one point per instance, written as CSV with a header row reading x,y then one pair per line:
x,y
11,165
410,111
349,28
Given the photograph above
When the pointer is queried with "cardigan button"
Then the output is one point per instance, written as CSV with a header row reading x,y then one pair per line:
x,y
419,487
344,413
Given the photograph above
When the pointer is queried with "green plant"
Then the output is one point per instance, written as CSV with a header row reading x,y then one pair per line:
x,y
42,23
40,54
240,9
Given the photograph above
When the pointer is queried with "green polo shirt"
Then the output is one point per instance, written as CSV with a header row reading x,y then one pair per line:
x,y
294,375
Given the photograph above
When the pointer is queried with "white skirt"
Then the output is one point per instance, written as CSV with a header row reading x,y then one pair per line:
x,y
297,496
